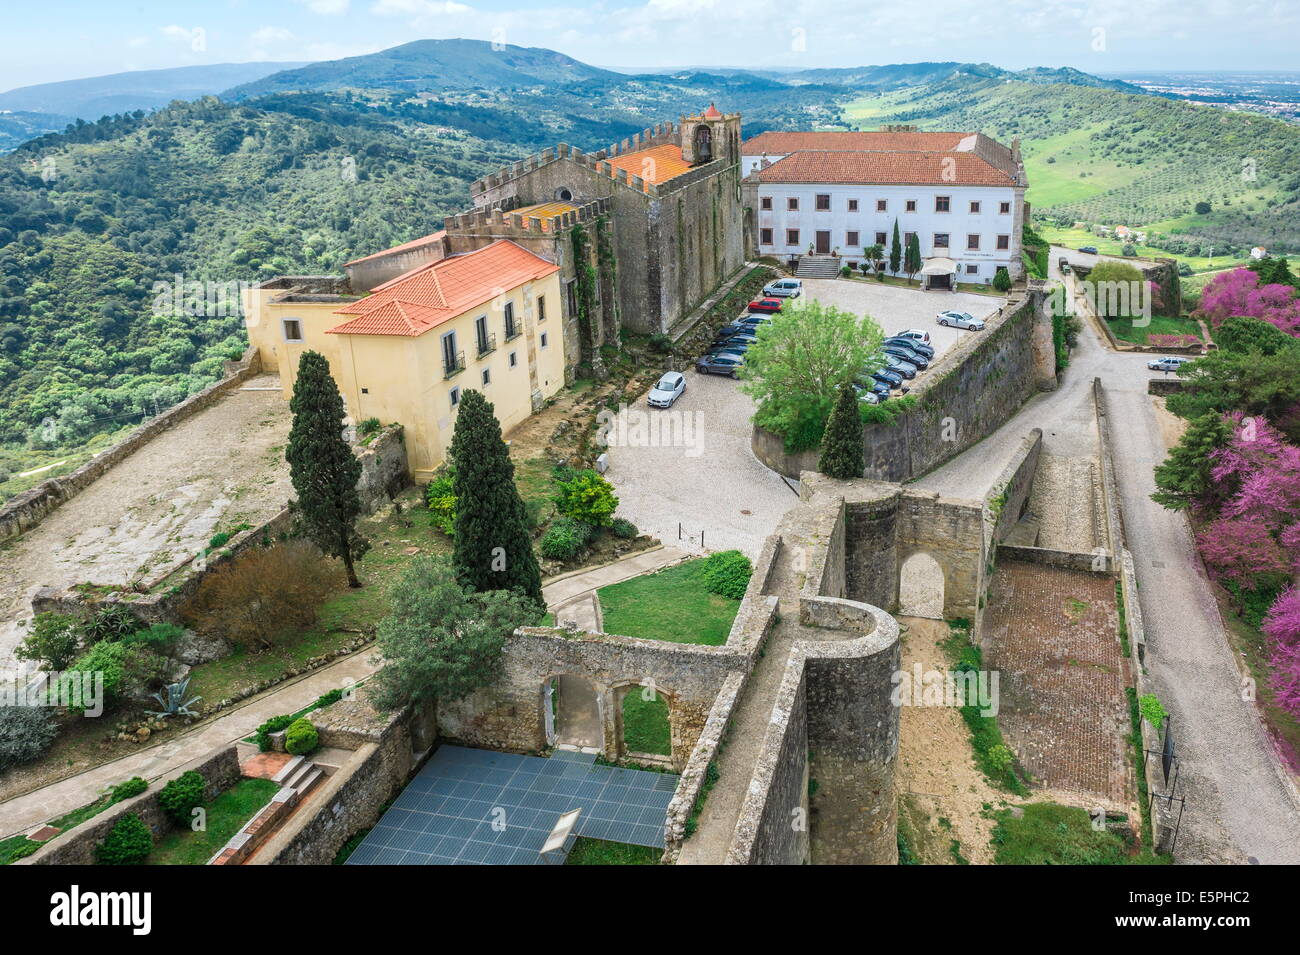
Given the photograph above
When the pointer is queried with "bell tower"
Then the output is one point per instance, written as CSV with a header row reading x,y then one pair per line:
x,y
710,136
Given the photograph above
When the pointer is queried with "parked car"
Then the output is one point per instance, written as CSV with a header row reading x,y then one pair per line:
x,y
1167,363
919,347
867,396
891,379
748,332
915,334
960,320
720,363
783,288
748,323
737,343
1090,249
667,390
898,366
906,354
765,305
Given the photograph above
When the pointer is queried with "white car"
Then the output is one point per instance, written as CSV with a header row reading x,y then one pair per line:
x,y
668,389
783,288
915,334
1167,363
960,320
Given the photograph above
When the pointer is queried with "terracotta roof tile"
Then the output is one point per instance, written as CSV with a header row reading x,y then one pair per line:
x,y
782,143
655,165
427,296
901,168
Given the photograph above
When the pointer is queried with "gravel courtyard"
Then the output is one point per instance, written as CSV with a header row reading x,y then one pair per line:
x,y
898,308
692,464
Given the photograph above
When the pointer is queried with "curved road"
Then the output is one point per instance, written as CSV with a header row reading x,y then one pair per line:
x,y
1240,805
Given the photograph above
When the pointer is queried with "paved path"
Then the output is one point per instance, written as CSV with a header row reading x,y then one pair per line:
x,y
23,813
573,596
1238,805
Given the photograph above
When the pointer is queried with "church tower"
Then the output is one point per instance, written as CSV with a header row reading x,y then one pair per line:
x,y
710,136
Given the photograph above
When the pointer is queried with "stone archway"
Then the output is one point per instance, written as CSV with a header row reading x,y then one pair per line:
x,y
572,713
703,144
920,587
644,722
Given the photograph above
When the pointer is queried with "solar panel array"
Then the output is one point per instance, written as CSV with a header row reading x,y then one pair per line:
x,y
477,807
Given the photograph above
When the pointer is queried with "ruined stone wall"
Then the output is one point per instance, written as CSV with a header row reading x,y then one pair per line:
x,y
509,715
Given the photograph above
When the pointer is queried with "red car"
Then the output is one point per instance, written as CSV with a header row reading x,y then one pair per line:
x,y
765,305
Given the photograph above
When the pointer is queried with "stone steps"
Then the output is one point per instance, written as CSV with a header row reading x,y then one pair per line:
x,y
818,267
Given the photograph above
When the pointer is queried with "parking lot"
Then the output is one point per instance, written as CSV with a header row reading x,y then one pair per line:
x,y
897,308
692,464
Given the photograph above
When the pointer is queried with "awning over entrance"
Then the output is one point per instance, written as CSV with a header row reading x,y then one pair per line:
x,y
939,265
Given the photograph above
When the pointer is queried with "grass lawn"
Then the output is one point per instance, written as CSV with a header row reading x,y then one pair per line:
x,y
671,604
226,815
15,848
645,724
1160,325
1051,834
598,852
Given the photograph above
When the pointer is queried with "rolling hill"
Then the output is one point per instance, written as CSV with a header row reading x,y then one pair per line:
x,y
430,65
98,96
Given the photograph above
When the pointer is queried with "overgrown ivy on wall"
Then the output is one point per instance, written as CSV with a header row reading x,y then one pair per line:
x,y
608,264
584,275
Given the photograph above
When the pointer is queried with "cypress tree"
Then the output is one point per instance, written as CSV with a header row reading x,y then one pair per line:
x,y
493,548
895,251
841,455
912,257
322,467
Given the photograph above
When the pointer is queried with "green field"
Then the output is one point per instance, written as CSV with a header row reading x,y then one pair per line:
x,y
645,724
599,852
1124,329
671,604
226,816
1074,238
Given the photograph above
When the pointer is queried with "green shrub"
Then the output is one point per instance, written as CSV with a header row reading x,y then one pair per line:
x,y
104,657
1002,280
587,497
219,540
727,573
180,797
26,732
563,540
112,622
18,847
301,737
131,787
368,427
52,642
159,637
440,497
263,734
129,842
1153,711
623,528
661,343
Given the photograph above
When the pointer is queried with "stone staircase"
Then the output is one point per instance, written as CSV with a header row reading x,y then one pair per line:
x,y
296,779
299,774
818,267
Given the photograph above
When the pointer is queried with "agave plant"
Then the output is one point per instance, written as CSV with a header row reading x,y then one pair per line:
x,y
173,702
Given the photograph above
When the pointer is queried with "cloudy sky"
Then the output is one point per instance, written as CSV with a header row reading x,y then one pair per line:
x,y
65,39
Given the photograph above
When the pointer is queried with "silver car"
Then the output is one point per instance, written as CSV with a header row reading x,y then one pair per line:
x,y
1167,363
960,320
667,390
783,288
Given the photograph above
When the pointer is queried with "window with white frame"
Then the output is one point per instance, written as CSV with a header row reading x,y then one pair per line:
x,y
292,329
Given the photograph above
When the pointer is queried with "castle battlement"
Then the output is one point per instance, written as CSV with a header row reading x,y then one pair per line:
x,y
504,222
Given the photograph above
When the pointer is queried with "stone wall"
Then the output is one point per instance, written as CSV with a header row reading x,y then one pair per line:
x,y
384,471
966,395
352,799
26,510
510,714
219,769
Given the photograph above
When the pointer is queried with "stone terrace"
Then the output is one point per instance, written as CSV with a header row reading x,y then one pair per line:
x,y
1052,635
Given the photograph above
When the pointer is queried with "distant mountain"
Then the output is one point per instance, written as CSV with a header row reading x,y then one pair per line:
x,y
98,96
897,76
18,127
431,65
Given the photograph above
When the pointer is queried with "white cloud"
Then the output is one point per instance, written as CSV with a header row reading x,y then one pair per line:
x,y
421,9
327,8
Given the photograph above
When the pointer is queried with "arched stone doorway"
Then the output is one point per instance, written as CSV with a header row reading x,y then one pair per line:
x,y
920,587
571,713
644,722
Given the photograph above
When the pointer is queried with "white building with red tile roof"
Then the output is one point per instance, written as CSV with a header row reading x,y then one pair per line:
x,y
813,194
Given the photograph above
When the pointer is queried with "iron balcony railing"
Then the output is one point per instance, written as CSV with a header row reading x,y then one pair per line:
x,y
453,365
